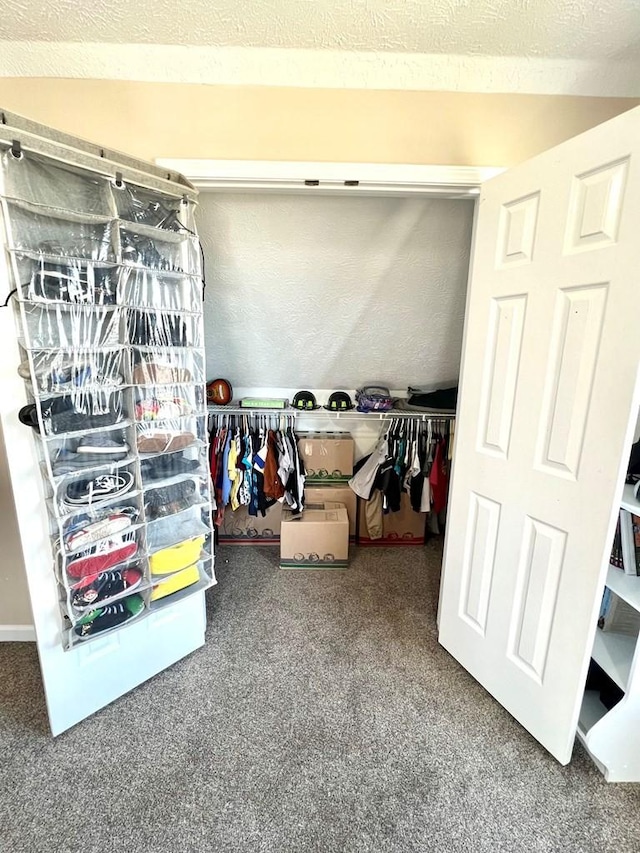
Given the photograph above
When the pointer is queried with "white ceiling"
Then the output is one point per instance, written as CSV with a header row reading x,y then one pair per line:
x,y
584,44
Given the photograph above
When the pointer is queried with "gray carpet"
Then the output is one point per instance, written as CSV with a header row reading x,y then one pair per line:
x,y
320,716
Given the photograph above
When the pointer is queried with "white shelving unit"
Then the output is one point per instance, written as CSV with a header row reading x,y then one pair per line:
x,y
612,737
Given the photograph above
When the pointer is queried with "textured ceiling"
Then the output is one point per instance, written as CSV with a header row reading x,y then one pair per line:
x,y
572,29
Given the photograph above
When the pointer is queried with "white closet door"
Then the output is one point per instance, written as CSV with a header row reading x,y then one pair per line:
x,y
79,682
548,402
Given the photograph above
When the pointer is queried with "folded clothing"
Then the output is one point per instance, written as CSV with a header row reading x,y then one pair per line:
x,y
181,580
154,373
169,500
177,557
444,399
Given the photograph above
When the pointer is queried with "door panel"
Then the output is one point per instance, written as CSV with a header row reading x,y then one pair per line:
x,y
548,403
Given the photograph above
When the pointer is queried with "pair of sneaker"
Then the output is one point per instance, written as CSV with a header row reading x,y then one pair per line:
x,y
102,487
86,531
106,554
92,450
109,616
105,587
167,465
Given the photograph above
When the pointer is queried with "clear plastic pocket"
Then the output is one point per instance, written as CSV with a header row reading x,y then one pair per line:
x,y
77,455
162,329
59,326
89,525
39,181
164,251
171,435
93,489
175,496
70,281
62,371
166,532
149,289
78,411
167,402
57,234
153,209
167,367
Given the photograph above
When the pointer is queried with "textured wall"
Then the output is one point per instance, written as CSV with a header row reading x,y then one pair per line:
x,y
326,292
576,29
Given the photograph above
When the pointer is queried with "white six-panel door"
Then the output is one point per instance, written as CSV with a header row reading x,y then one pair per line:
x,y
548,404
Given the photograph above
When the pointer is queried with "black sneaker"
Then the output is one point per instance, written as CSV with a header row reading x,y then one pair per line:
x,y
110,616
103,588
161,467
92,490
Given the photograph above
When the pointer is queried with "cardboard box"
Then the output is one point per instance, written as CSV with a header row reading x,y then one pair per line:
x,y
318,538
398,528
327,456
341,494
240,528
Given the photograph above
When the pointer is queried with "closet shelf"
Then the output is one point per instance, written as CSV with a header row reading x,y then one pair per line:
x,y
352,415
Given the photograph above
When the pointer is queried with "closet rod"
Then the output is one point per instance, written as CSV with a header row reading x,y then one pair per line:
x,y
352,415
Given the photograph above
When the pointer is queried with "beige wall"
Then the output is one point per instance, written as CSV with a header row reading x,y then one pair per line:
x,y
183,120
14,597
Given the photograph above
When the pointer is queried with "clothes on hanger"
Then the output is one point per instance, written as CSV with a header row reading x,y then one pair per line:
x,y
254,462
413,456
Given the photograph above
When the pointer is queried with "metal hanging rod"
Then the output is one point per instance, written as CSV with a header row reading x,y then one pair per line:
x,y
351,415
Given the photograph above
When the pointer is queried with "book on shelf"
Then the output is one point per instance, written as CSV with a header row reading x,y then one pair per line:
x,y
618,616
629,530
616,550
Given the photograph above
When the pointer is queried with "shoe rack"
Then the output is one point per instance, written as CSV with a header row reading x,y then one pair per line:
x,y
109,309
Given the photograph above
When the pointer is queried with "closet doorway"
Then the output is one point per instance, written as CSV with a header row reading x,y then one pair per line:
x,y
323,276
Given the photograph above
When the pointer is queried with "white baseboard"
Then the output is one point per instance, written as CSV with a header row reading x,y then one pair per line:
x,y
17,634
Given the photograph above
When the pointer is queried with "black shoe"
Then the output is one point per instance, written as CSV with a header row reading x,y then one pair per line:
x,y
169,465
109,616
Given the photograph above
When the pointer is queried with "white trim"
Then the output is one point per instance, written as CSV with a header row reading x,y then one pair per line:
x,y
373,178
322,69
17,634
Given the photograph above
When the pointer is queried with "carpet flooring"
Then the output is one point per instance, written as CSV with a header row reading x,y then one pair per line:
x,y
321,715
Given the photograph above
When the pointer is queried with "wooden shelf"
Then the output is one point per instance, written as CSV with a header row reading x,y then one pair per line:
x,y
614,653
627,587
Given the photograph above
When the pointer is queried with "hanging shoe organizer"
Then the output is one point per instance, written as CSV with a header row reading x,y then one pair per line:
x,y
109,303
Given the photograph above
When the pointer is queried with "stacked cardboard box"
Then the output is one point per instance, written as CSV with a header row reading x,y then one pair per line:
x,y
240,528
405,527
316,539
327,456
336,494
